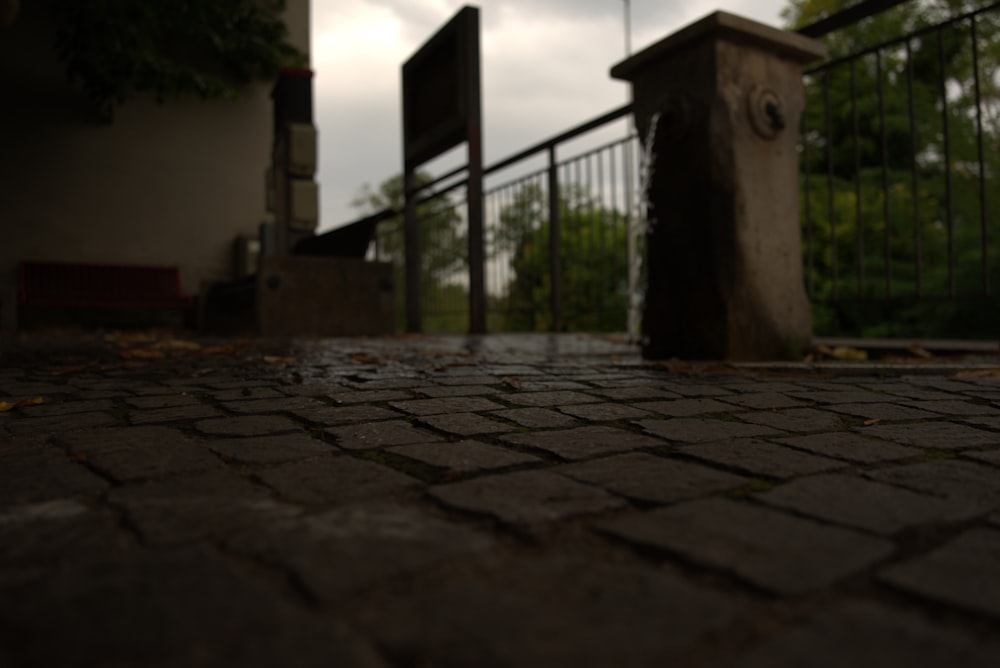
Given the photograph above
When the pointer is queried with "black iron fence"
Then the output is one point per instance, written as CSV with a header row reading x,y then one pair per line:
x,y
900,181
556,234
900,156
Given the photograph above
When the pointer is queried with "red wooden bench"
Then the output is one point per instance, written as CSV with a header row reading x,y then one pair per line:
x,y
100,286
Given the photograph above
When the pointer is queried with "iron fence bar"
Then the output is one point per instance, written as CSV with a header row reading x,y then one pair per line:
x,y
946,140
847,17
915,173
581,129
811,281
984,238
887,223
900,40
856,143
829,182
555,241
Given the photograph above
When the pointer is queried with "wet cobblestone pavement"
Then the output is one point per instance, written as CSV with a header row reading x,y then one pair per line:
x,y
494,501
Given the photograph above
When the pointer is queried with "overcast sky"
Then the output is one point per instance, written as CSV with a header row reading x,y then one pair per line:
x,y
544,69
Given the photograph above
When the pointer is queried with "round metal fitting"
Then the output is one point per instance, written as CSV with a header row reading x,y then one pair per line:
x,y
766,111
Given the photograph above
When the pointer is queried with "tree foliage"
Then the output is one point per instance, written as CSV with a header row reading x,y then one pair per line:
x,y
899,197
117,48
592,256
443,248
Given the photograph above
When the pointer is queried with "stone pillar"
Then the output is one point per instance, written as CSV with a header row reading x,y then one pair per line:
x,y
717,106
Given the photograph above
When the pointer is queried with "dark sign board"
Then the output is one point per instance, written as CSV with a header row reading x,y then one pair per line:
x,y
440,83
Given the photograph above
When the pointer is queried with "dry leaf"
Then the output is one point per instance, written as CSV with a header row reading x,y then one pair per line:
x,y
8,405
142,353
514,383
872,422
978,373
849,354
177,344
919,351
66,370
365,359
272,359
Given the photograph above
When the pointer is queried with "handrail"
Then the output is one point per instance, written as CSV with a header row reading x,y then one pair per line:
x,y
848,16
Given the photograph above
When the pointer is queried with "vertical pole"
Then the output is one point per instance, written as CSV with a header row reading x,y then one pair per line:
x,y
477,284
631,221
555,242
411,241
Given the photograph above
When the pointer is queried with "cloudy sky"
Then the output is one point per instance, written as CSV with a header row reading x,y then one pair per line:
x,y
544,69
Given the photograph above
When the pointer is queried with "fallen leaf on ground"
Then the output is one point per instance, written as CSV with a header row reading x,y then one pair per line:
x,y
845,353
977,373
273,359
514,383
66,370
177,344
11,405
365,359
919,351
872,422
142,353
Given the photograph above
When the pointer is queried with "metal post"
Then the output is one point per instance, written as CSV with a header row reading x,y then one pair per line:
x,y
631,221
411,241
477,254
555,241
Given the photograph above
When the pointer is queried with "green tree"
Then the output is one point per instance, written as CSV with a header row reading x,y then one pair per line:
x,y
877,207
116,48
592,256
443,250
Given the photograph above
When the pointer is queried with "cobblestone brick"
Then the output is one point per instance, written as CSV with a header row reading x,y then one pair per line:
x,y
696,430
345,415
42,473
191,507
648,478
173,414
466,424
883,411
978,486
463,456
333,480
839,396
247,394
549,399
246,425
764,400
863,634
909,391
803,420
284,404
156,457
850,446
604,412
955,408
537,418
444,391
58,423
370,396
686,407
551,610
381,434
940,435
964,572
53,532
636,392
351,548
162,401
268,449
860,503
772,550
446,405
525,498
696,389
761,458
988,456
68,408
583,442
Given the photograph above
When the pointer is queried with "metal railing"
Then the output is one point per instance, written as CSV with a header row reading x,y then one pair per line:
x,y
900,156
900,178
555,235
